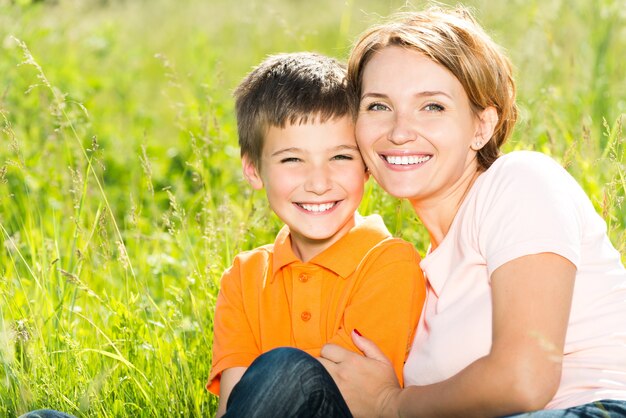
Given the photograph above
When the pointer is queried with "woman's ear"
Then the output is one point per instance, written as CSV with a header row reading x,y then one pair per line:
x,y
251,173
487,121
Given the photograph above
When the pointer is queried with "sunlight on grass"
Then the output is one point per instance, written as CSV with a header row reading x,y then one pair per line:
x,y
121,199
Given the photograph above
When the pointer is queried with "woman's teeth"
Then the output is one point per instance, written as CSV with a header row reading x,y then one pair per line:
x,y
406,159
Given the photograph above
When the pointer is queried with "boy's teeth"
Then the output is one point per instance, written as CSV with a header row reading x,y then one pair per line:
x,y
317,208
406,159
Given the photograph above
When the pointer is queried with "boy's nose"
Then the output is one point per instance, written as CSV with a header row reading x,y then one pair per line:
x,y
318,180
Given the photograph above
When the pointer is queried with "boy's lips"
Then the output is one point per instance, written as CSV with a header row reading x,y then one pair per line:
x,y
317,207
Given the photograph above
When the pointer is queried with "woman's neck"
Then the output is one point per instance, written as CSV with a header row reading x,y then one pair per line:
x,y
437,213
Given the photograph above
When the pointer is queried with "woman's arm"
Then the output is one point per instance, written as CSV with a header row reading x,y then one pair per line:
x,y
531,303
229,379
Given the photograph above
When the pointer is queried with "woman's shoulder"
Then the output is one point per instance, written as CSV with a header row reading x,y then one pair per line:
x,y
527,167
525,160
526,176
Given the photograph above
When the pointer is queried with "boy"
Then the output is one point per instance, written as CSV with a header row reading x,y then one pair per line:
x,y
330,271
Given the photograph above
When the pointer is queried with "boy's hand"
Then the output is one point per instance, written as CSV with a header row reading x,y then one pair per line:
x,y
367,383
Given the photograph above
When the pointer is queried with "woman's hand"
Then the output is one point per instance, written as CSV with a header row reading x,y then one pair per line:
x,y
367,383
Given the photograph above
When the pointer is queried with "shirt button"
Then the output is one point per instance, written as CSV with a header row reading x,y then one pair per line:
x,y
305,316
303,278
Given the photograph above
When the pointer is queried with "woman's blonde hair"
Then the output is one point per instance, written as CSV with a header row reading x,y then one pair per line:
x,y
453,39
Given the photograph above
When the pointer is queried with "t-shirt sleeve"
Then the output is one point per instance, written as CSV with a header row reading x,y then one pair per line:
x,y
233,340
529,206
386,301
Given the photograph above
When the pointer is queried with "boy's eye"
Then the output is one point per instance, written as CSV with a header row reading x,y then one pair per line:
x,y
343,157
377,107
433,107
290,160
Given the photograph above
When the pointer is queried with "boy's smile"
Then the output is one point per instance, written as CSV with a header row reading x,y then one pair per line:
x,y
314,177
316,207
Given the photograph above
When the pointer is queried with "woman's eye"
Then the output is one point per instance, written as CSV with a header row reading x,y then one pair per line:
x,y
377,107
433,107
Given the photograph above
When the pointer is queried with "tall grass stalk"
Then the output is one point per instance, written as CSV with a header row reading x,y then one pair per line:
x,y
121,198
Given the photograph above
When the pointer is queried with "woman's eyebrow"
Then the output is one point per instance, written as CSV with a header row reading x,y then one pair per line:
x,y
429,93
373,95
425,93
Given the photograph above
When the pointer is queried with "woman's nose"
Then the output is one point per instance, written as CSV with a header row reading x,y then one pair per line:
x,y
402,130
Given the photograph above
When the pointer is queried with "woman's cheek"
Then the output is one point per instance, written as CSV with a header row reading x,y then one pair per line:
x,y
365,132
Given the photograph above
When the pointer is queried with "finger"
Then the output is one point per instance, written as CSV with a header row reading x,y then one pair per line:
x,y
331,367
328,365
335,353
369,348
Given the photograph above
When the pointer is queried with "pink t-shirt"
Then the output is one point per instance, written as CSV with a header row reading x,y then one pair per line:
x,y
525,203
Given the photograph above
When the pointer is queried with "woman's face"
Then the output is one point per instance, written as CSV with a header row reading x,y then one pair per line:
x,y
415,127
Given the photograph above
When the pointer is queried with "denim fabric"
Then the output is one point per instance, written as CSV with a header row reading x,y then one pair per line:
x,y
600,409
46,413
286,382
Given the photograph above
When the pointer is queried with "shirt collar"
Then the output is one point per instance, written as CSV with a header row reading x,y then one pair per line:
x,y
344,256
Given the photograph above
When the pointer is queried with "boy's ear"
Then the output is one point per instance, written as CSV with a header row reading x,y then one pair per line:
x,y
251,173
487,121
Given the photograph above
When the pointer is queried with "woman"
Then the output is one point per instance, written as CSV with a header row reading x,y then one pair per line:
x,y
526,305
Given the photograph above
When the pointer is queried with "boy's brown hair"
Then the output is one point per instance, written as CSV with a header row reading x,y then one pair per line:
x,y
293,88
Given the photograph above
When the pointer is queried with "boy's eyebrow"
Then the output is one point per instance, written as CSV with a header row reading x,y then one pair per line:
x,y
284,150
425,93
349,147
294,149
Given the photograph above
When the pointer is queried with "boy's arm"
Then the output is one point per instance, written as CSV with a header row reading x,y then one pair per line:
x,y
386,302
234,343
229,379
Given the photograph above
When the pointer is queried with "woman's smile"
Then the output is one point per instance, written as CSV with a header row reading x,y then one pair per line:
x,y
406,160
416,129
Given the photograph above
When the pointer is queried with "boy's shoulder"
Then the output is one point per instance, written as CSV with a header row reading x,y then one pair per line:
x,y
393,248
385,243
260,254
258,259
373,233
369,242
248,267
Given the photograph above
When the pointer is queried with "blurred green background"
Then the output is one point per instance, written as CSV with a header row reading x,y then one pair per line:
x,y
121,199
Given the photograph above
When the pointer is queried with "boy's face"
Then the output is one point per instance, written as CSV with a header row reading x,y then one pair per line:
x,y
314,177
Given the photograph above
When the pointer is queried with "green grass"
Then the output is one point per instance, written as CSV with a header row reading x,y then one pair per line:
x,y
121,200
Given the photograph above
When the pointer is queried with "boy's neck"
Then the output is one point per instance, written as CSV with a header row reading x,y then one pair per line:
x,y
306,248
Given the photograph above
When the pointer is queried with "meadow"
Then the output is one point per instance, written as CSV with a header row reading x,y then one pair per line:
x,y
121,199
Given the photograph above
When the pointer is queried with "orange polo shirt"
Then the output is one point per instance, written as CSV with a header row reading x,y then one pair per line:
x,y
269,298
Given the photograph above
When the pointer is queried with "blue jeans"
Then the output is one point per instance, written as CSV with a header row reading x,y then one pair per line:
x,y
286,382
46,413
600,409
